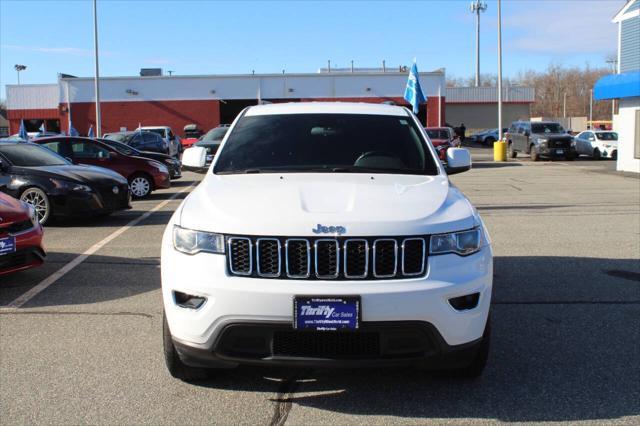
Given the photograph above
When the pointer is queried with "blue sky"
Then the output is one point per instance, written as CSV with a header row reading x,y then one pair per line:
x,y
207,37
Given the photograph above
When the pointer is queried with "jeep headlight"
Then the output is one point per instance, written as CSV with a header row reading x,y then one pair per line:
x,y
462,243
191,242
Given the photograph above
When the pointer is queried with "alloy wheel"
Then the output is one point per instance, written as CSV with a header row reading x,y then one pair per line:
x,y
38,199
140,187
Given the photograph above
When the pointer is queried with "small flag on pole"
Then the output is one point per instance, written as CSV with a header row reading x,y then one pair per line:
x,y
72,130
91,133
43,128
23,132
413,93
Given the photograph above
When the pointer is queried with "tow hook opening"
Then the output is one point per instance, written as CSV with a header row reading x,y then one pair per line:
x,y
188,301
464,303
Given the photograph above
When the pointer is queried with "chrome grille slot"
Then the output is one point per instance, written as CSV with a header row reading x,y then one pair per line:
x,y
356,258
413,256
298,258
385,256
340,258
268,257
240,256
327,257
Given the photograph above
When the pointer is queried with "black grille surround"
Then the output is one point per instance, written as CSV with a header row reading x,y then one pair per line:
x,y
327,258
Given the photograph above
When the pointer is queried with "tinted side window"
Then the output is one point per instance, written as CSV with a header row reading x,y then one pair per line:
x,y
88,150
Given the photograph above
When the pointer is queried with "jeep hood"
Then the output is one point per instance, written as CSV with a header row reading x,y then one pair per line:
x,y
293,204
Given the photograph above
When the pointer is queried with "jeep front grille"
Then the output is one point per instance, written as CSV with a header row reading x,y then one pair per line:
x,y
327,258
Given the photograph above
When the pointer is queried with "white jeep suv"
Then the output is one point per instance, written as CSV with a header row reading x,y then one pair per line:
x,y
326,234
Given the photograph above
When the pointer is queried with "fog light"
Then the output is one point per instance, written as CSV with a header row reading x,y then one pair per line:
x,y
188,301
464,303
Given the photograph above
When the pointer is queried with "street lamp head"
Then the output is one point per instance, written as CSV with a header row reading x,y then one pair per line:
x,y
19,67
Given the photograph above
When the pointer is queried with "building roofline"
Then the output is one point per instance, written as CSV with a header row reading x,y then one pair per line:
x,y
303,75
618,16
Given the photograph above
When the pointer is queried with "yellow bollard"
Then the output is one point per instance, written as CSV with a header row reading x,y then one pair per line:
x,y
500,150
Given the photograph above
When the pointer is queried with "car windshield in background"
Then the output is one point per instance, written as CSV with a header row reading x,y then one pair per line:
x,y
214,135
118,137
120,147
546,128
326,143
607,136
31,155
438,134
156,131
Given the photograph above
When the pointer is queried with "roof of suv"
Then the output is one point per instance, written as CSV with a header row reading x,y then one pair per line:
x,y
327,108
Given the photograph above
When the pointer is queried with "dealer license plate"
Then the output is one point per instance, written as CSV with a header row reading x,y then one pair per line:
x,y
7,245
326,313
559,151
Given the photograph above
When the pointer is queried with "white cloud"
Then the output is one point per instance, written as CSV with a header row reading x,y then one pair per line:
x,y
73,51
563,27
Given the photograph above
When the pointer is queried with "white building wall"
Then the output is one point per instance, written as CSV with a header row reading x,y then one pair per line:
x,y
32,96
273,86
626,124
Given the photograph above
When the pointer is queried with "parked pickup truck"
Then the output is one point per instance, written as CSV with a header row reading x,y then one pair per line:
x,y
326,234
540,139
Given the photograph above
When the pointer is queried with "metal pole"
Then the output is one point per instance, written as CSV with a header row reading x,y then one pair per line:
x,y
328,65
352,65
477,47
500,71
564,105
18,77
68,108
97,75
591,108
384,66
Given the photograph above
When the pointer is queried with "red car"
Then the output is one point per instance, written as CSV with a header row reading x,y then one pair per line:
x,y
20,236
144,175
442,139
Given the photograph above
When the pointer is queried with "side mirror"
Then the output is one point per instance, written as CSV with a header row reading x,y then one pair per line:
x,y
458,161
194,158
69,159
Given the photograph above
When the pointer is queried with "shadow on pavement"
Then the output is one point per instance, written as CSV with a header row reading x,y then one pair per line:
x,y
495,165
564,348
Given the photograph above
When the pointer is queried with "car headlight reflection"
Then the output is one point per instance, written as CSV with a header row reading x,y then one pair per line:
x,y
191,242
462,243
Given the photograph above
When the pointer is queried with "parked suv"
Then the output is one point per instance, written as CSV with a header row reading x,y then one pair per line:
x,y
144,175
142,141
326,234
540,139
171,139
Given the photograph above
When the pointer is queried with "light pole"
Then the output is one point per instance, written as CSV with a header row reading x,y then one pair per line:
x,y
476,7
97,75
591,109
564,105
500,135
19,68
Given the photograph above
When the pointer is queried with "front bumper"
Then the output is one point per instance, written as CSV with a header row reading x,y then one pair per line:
x,y
391,343
100,200
238,300
29,252
161,181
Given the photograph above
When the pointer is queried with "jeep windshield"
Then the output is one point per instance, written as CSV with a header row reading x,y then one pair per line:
x,y
339,143
546,128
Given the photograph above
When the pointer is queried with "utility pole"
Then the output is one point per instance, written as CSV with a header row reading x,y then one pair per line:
x,y
476,7
19,68
96,80
564,105
591,109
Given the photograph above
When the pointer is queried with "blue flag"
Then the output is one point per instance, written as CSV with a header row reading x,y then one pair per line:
x,y
72,130
413,93
23,132
91,134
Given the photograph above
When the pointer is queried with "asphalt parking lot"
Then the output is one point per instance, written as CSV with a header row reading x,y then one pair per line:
x,y
566,321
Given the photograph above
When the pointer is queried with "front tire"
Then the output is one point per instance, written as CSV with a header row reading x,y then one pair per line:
x,y
489,141
37,198
597,155
176,367
512,152
141,185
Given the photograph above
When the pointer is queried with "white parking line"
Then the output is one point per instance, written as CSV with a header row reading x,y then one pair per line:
x,y
42,285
